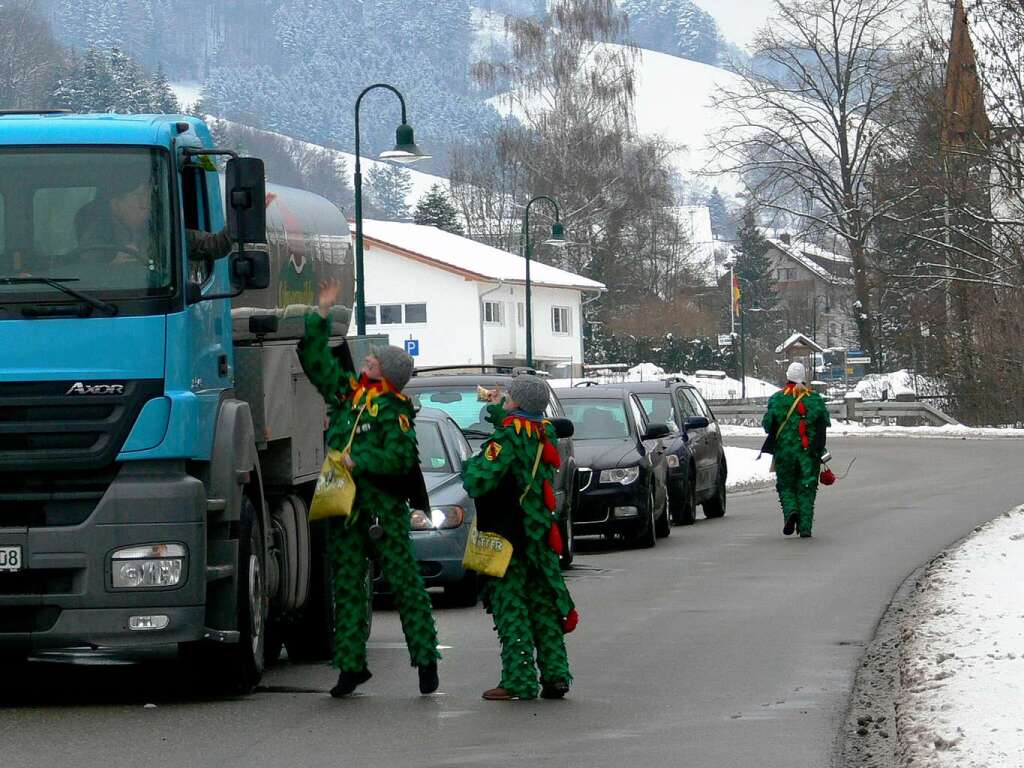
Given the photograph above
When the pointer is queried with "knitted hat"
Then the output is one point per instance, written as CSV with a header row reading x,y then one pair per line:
x,y
529,392
796,373
395,363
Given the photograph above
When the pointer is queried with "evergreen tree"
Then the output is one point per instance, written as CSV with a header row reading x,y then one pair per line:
x,y
677,27
387,188
435,209
757,283
161,98
722,226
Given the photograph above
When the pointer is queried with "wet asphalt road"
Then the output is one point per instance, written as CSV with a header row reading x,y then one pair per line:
x,y
726,645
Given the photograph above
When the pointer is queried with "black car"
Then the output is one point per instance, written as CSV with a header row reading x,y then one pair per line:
x,y
697,470
622,465
456,395
439,534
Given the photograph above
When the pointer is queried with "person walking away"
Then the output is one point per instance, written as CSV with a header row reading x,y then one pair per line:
x,y
384,462
796,422
511,480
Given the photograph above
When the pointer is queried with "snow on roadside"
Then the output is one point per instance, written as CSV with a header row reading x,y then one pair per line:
x,y
854,429
962,661
746,472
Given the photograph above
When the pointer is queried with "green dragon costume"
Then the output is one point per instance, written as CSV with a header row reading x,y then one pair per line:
x,y
385,453
531,605
796,422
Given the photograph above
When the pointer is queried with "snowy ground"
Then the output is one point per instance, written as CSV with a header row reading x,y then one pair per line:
x,y
854,429
962,660
746,472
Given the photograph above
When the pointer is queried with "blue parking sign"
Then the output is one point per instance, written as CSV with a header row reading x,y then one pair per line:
x,y
412,346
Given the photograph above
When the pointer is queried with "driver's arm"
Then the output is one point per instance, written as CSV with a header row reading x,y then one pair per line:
x,y
207,246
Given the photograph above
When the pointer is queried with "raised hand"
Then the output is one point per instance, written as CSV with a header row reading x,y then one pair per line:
x,y
329,291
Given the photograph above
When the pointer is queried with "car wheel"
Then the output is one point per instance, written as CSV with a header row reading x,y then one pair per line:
x,y
647,537
686,513
568,547
663,523
464,592
715,506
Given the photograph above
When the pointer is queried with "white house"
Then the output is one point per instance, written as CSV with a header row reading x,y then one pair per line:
x,y
463,302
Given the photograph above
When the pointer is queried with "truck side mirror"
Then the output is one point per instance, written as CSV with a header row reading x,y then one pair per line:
x,y
250,270
246,191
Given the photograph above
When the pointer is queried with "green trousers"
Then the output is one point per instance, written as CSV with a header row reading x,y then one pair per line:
x,y
349,546
529,627
796,480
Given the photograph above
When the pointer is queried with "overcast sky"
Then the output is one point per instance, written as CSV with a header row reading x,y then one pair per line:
x,y
739,19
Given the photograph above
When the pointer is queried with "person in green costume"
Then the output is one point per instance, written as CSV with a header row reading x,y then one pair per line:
x,y
384,462
511,481
796,422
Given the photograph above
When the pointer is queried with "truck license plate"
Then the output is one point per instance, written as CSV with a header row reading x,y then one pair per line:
x,y
10,559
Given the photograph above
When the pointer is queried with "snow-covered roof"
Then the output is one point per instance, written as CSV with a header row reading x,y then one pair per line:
x,y
802,254
468,257
798,338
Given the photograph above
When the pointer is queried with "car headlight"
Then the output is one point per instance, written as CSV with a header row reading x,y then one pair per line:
x,y
147,567
621,475
439,519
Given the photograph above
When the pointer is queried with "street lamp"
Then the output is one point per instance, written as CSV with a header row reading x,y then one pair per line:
x,y
557,239
405,151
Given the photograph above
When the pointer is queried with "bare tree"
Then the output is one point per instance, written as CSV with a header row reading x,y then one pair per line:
x,y
805,138
31,57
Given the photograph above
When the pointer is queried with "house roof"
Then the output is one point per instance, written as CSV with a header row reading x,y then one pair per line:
x,y
798,338
805,254
473,260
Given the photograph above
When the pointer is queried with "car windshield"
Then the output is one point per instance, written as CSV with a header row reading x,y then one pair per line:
x,y
460,403
597,419
433,456
98,219
659,409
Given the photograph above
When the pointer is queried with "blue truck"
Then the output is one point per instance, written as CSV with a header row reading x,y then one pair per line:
x,y
159,442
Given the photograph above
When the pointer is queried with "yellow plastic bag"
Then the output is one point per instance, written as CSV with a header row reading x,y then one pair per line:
x,y
487,553
335,489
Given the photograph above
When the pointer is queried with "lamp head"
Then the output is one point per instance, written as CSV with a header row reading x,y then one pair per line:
x,y
557,238
405,150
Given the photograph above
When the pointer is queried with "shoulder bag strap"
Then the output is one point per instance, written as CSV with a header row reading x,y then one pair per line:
x,y
788,415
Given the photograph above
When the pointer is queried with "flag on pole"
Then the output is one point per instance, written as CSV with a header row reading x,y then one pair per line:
x,y
735,296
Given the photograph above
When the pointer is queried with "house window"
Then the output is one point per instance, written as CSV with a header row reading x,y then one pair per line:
x,y
415,313
520,314
370,314
561,321
390,314
785,275
494,313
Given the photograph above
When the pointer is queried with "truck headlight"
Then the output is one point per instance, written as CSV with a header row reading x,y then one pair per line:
x,y
621,475
147,567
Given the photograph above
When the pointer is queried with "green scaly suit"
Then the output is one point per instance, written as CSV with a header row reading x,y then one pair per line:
x,y
798,450
531,603
384,445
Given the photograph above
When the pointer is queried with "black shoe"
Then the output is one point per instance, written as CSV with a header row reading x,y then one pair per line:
x,y
556,690
428,678
805,534
347,682
790,524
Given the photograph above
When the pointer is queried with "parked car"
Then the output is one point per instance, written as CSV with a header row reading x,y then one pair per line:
x,y
456,395
439,534
622,466
697,469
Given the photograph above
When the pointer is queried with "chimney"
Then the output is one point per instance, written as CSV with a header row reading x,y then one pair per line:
x,y
784,237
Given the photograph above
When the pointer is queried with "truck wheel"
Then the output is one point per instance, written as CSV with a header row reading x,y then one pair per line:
x,y
236,668
310,637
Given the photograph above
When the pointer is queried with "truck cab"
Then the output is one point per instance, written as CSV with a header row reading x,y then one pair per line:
x,y
135,504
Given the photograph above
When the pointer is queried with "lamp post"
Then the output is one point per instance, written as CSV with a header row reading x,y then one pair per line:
x,y
405,151
558,239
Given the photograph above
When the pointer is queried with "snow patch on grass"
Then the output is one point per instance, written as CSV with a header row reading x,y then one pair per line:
x,y
746,471
854,429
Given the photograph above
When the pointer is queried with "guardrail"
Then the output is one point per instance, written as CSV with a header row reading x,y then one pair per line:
x,y
850,409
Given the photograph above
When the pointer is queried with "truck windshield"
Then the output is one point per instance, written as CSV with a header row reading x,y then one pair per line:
x,y
98,219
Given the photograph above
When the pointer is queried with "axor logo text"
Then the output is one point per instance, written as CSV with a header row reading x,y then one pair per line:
x,y
81,388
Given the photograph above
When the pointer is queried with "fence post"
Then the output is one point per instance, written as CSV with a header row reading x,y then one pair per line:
x,y
852,399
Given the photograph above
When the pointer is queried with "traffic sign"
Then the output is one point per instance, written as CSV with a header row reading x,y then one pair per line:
x,y
858,360
412,346
725,339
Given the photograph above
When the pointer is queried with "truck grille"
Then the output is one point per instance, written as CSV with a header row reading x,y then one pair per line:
x,y
65,426
38,499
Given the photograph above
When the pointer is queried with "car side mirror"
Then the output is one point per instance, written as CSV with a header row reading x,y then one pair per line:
x,y
696,422
656,432
246,192
563,428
